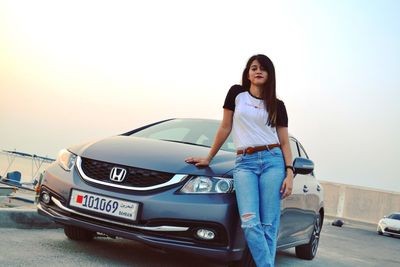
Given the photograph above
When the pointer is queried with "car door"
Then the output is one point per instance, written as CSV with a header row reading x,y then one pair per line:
x,y
293,216
312,194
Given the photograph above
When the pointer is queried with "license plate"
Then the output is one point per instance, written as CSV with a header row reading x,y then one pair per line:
x,y
105,205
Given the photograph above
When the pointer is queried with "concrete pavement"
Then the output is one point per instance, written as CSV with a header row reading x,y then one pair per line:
x,y
25,217
339,247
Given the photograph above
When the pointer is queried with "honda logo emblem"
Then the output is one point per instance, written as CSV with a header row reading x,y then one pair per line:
x,y
117,174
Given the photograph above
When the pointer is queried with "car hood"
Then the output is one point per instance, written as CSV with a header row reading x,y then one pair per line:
x,y
392,222
155,154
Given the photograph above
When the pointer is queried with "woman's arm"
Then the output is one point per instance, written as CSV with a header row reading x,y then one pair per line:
x,y
222,134
287,184
283,136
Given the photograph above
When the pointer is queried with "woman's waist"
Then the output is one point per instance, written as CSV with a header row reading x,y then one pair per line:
x,y
243,141
255,148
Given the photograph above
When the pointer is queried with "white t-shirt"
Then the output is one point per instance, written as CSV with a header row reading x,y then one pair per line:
x,y
250,119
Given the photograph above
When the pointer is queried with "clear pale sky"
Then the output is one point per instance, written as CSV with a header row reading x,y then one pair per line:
x,y
74,71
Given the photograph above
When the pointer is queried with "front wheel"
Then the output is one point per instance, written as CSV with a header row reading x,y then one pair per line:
x,y
78,234
379,230
308,251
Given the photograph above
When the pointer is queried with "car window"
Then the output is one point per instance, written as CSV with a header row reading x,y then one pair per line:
x,y
174,134
394,217
303,153
293,148
197,132
204,140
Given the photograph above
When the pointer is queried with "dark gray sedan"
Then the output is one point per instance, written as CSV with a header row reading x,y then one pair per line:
x,y
137,186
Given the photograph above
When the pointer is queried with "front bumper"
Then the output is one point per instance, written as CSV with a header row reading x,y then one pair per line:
x,y
167,220
390,231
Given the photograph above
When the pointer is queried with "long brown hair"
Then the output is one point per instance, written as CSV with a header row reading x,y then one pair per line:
x,y
269,88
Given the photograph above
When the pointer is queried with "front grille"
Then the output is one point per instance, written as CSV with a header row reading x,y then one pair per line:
x,y
392,231
135,177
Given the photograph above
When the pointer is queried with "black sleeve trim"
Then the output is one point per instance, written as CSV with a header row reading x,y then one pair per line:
x,y
231,96
281,116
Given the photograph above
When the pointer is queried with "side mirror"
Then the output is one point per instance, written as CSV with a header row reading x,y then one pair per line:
x,y
303,166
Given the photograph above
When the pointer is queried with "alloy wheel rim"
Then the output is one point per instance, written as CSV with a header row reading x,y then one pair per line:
x,y
316,232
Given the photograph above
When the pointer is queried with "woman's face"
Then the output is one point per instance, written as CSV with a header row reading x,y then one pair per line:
x,y
257,74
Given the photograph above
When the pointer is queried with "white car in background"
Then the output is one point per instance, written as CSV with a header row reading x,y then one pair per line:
x,y
390,225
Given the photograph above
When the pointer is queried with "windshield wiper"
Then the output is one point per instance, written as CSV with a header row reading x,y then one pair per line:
x,y
182,142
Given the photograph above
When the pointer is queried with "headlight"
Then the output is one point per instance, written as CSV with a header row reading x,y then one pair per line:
x,y
66,159
207,185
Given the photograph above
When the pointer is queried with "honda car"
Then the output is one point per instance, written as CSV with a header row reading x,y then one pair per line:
x,y
137,185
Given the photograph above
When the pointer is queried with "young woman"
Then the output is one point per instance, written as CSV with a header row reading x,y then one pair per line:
x,y
259,125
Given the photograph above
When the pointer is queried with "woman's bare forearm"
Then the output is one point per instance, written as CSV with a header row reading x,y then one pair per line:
x,y
287,153
219,140
283,136
222,134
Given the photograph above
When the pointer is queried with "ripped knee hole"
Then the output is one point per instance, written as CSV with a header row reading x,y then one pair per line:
x,y
248,216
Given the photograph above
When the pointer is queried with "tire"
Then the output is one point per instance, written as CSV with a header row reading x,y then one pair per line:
x,y
78,234
308,251
379,231
246,261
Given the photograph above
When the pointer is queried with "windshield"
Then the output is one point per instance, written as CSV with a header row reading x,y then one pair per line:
x,y
395,216
189,131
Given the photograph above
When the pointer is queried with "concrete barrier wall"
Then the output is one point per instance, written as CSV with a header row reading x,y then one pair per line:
x,y
359,203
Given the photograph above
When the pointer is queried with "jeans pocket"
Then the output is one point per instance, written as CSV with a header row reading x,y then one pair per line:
x,y
277,152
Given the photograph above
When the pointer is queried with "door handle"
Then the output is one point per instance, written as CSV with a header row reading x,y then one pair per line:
x,y
318,188
305,189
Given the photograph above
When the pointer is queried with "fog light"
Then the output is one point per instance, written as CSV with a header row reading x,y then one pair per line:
x,y
46,197
205,234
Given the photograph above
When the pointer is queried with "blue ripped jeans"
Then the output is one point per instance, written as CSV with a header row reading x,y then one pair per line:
x,y
258,178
